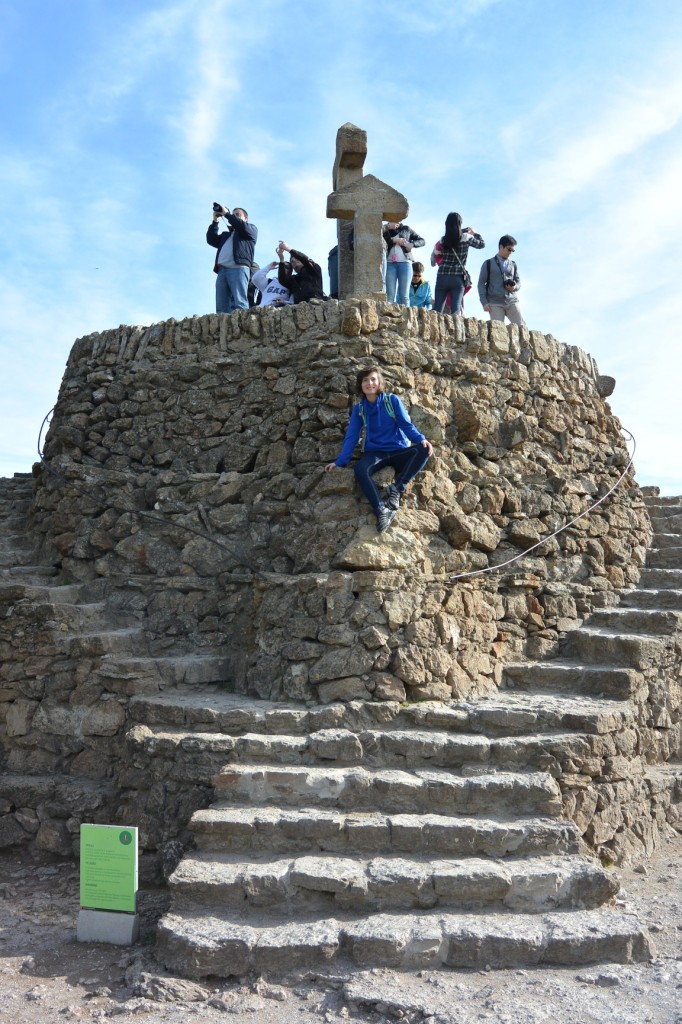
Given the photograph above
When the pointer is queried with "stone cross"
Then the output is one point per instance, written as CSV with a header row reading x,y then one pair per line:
x,y
361,202
351,150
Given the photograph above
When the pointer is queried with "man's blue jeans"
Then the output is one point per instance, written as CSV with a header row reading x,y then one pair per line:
x,y
398,279
231,289
452,285
407,462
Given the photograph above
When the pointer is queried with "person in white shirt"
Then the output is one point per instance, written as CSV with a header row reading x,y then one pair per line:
x,y
272,293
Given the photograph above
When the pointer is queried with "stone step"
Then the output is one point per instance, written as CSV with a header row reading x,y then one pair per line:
x,y
661,599
144,675
101,643
274,830
666,778
16,492
14,515
669,521
666,579
510,713
606,647
198,946
206,708
28,573
14,541
43,593
412,792
197,756
17,511
83,617
572,677
327,884
57,607
664,558
649,622
11,559
211,709
666,540
20,484
662,501
17,497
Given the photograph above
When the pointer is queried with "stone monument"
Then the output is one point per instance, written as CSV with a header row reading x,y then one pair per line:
x,y
360,202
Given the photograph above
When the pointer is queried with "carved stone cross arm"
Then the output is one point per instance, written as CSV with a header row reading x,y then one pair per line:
x,y
368,201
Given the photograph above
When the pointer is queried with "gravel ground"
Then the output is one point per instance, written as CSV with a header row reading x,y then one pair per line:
x,y
46,976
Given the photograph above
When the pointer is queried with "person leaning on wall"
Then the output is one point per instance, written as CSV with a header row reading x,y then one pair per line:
x,y
234,258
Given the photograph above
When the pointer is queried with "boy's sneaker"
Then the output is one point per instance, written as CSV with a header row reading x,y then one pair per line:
x,y
392,498
385,517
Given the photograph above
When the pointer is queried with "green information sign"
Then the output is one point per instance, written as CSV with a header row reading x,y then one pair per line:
x,y
109,868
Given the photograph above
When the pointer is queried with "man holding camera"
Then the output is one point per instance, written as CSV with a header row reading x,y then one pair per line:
x,y
234,258
499,282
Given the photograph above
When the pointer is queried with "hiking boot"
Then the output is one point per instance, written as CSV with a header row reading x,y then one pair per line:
x,y
385,517
392,498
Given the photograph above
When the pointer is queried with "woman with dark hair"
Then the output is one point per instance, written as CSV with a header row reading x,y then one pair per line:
x,y
450,256
302,276
390,439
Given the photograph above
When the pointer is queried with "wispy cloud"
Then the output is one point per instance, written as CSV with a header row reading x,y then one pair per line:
x,y
587,147
212,83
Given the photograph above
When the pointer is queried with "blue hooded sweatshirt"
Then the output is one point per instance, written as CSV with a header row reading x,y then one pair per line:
x,y
383,432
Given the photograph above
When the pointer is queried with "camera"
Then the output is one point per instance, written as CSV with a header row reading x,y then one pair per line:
x,y
218,208
508,281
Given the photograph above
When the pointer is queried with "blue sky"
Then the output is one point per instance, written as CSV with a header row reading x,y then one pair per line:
x,y
559,123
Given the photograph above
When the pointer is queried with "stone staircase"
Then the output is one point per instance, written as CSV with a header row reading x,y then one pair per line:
x,y
434,834
367,833
71,659
36,606
384,835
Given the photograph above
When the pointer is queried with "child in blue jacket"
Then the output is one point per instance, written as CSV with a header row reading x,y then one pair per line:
x,y
388,431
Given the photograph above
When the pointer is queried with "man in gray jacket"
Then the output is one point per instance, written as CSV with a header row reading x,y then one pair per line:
x,y
499,282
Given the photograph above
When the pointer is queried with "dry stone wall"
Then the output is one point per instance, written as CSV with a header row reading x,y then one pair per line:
x,y
190,458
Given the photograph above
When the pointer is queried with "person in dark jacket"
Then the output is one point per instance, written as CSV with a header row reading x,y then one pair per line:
x,y
302,276
234,258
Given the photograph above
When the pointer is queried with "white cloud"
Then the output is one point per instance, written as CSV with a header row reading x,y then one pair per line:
x,y
213,84
587,148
